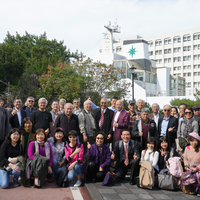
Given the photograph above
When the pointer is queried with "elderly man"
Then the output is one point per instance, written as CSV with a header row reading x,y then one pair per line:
x,y
87,125
155,115
113,104
67,121
140,105
168,125
42,118
62,103
144,128
55,111
132,113
120,121
181,108
28,106
76,104
127,154
17,114
103,118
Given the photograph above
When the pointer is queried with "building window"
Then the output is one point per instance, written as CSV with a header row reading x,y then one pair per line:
x,y
177,39
167,41
186,48
186,38
177,49
195,84
150,43
195,74
166,51
196,36
158,42
195,57
198,84
151,53
186,58
189,74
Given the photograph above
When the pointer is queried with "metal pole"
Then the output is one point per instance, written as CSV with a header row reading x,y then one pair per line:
x,y
132,72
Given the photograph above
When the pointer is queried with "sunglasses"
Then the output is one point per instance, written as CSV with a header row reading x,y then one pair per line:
x,y
30,101
188,113
99,138
166,110
76,102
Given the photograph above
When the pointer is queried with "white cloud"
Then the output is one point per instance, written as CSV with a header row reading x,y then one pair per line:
x,y
80,23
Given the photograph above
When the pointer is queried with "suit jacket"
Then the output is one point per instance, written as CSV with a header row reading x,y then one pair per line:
x,y
123,123
4,123
108,116
14,122
151,116
171,136
120,152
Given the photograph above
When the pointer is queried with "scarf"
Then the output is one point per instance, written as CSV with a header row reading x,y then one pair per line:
x,y
188,127
46,147
147,155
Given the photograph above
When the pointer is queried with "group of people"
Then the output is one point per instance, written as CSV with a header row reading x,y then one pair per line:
x,y
91,139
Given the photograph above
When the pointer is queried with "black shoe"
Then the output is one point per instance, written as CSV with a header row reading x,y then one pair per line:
x,y
132,183
198,193
93,180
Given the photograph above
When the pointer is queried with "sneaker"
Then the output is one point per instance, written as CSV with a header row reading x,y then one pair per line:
x,y
77,184
15,184
198,193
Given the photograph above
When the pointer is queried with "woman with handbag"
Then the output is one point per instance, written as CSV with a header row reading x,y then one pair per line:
x,y
74,153
192,163
165,152
98,156
58,145
150,154
10,150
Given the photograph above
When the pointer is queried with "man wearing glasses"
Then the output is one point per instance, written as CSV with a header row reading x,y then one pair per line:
x,y
167,125
103,118
28,106
76,105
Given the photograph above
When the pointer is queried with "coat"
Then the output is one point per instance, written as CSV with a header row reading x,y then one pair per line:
x,y
92,156
171,136
14,118
123,123
108,116
4,123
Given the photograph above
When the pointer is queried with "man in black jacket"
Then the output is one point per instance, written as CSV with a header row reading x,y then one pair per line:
x,y
103,118
167,126
127,154
144,128
17,114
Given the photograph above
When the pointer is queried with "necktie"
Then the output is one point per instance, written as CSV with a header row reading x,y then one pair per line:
x,y
126,155
102,118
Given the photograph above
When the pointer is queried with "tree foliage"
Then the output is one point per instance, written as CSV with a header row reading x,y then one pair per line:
x,y
12,64
191,103
39,51
80,80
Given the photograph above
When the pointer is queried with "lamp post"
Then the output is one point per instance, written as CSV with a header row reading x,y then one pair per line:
x,y
132,72
8,84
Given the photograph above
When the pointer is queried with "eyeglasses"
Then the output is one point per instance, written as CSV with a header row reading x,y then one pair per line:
x,y
99,138
76,102
196,110
188,113
30,101
103,102
166,110
72,137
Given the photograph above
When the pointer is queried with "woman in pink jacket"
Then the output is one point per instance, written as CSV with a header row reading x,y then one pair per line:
x,y
74,153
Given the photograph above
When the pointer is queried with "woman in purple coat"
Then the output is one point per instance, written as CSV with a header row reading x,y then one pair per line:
x,y
98,156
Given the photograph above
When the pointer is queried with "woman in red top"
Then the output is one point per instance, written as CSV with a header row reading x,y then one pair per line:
x,y
74,153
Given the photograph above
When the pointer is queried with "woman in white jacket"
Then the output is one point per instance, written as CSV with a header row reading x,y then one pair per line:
x,y
149,154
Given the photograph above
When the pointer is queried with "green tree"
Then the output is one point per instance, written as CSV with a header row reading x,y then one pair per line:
x,y
12,64
40,52
191,103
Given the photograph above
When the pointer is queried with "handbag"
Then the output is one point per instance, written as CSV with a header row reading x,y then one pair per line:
x,y
188,178
167,181
109,179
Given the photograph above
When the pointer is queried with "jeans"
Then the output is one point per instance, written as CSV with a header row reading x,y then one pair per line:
x,y
55,168
5,177
76,171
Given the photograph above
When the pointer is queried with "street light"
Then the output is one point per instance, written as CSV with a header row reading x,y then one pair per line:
x,y
132,72
8,84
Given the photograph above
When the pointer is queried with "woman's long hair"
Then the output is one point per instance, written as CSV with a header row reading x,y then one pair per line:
x,y
21,128
10,133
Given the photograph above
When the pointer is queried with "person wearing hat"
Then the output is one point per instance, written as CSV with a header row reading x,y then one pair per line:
x,y
132,113
192,159
74,153
57,144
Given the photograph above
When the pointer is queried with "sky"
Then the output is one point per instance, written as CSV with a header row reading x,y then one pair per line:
x,y
80,23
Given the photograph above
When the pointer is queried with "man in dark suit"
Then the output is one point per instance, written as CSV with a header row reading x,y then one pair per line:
x,y
127,154
120,121
4,125
103,117
168,125
17,114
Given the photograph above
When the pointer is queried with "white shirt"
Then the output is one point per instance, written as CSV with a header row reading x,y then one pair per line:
x,y
156,117
116,118
19,116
